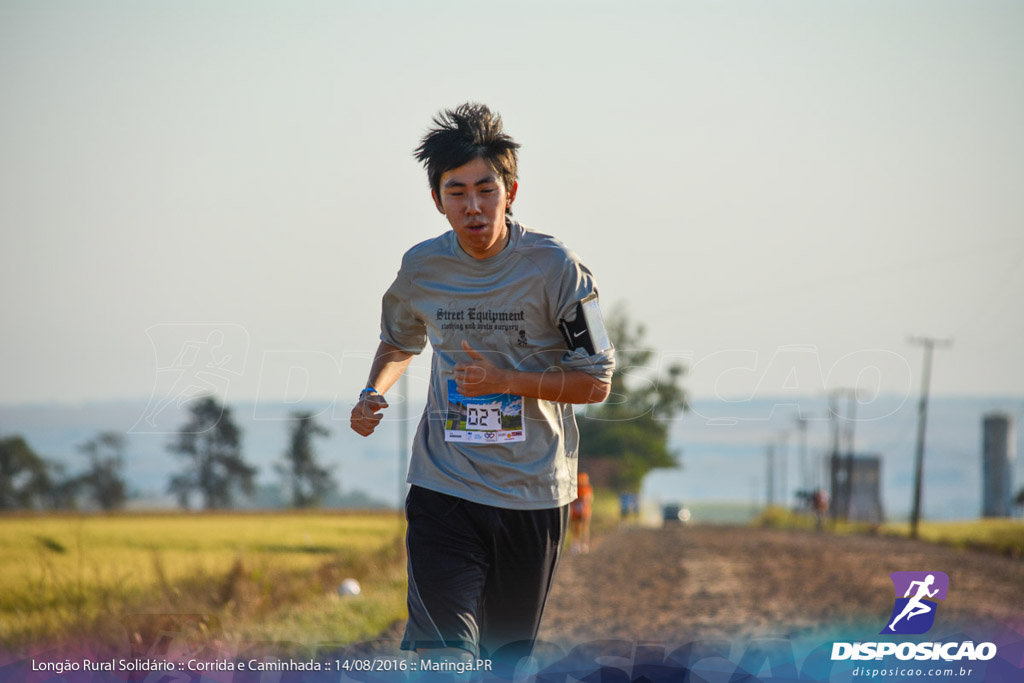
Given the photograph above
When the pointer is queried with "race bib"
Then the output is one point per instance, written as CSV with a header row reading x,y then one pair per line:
x,y
493,418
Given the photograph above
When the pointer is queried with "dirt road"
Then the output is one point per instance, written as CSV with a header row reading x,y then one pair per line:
x,y
693,583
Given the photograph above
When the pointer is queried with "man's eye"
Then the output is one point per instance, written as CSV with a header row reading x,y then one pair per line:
x,y
487,191
454,194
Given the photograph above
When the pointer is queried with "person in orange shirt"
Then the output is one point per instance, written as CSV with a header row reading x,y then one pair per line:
x,y
579,515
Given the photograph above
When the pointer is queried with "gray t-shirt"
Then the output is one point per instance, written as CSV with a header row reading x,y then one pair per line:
x,y
508,308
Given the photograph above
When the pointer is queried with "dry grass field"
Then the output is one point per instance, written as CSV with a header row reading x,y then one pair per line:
x,y
262,576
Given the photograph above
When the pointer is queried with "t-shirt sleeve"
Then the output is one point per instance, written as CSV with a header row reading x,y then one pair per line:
x,y
577,283
399,325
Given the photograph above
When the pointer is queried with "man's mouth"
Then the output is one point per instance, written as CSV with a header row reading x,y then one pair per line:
x,y
476,227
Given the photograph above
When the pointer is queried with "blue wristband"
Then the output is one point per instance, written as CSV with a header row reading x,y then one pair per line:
x,y
368,390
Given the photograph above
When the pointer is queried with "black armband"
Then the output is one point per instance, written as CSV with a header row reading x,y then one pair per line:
x,y
586,331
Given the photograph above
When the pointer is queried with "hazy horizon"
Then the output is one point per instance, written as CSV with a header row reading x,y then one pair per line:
x,y
720,461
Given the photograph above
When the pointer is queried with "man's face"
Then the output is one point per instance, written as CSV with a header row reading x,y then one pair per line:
x,y
473,199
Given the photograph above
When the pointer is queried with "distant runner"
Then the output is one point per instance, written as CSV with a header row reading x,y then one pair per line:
x,y
819,501
580,511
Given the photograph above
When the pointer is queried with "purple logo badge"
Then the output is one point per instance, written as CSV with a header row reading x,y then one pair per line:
x,y
914,611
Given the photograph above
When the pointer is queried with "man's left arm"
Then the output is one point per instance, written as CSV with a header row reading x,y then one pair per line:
x,y
479,376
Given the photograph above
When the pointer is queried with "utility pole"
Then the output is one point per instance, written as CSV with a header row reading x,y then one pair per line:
x,y
929,344
784,444
851,415
835,469
842,469
801,424
851,406
770,475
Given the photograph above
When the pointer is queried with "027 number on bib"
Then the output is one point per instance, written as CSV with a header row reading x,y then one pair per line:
x,y
493,418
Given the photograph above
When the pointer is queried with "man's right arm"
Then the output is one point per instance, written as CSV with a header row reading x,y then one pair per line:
x,y
388,365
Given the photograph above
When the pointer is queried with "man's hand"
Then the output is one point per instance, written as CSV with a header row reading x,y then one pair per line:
x,y
479,376
366,415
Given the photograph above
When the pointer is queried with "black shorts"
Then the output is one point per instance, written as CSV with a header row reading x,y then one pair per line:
x,y
478,575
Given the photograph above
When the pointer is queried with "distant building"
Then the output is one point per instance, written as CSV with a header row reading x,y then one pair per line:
x,y
856,482
997,448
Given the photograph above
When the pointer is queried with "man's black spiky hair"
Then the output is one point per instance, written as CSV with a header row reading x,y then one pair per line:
x,y
460,135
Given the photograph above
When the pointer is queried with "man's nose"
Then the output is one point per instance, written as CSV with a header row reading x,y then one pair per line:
x,y
472,203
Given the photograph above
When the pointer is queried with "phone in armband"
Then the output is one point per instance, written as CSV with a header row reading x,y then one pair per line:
x,y
586,332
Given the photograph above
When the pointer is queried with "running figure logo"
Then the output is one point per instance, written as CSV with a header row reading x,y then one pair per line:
x,y
192,361
914,613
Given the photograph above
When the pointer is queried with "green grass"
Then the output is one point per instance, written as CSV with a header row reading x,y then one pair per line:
x,y
1000,535
604,511
782,518
721,512
265,576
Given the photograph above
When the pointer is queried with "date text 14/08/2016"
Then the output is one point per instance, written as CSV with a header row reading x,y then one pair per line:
x,y
424,664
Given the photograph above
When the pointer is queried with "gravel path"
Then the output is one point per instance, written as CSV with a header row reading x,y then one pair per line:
x,y
689,583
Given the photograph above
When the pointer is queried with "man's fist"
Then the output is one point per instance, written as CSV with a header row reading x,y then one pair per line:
x,y
479,376
366,414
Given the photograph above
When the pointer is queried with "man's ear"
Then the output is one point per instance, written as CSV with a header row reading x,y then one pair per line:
x,y
512,192
437,201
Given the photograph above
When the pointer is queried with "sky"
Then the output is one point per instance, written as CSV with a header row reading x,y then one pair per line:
x,y
214,196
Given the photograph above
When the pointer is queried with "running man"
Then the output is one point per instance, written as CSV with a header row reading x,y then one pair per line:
x,y
915,606
513,319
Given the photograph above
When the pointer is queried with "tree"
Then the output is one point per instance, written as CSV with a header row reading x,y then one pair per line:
x,y
629,431
1018,502
210,444
310,482
25,480
106,462
62,490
